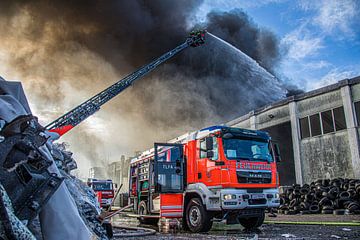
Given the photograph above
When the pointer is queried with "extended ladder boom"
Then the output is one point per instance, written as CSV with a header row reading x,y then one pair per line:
x,y
69,120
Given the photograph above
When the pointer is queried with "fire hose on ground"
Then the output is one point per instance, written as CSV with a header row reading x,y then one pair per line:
x,y
125,231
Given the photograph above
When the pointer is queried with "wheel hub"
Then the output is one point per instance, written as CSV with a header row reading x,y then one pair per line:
x,y
194,216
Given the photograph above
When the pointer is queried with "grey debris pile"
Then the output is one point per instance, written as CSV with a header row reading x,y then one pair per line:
x,y
10,226
63,158
35,180
86,202
85,198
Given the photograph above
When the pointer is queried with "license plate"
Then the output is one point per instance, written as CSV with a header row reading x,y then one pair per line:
x,y
257,196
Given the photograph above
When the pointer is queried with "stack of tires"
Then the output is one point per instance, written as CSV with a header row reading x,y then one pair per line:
x,y
337,196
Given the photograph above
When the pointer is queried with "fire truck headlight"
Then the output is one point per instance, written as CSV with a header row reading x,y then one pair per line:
x,y
229,196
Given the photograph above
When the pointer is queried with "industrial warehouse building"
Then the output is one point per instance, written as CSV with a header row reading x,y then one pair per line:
x,y
318,132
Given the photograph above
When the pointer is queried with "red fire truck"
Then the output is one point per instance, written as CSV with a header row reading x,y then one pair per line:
x,y
217,173
104,190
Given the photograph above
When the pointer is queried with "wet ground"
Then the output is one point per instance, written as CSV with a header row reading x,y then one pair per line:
x,y
269,230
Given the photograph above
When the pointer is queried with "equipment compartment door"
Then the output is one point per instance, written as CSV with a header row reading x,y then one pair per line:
x,y
169,178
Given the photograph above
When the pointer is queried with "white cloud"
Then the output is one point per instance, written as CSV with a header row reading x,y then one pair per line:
x,y
333,76
301,44
317,65
325,19
337,15
334,16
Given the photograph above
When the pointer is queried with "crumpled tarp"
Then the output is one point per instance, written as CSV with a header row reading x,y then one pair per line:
x,y
60,218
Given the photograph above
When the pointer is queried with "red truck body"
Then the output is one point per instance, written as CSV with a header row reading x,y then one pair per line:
x,y
213,174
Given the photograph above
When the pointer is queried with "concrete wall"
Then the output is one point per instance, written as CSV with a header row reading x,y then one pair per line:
x,y
329,155
243,124
355,97
326,156
351,94
272,117
355,92
319,103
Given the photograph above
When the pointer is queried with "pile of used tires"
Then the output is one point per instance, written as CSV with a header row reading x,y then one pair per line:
x,y
337,196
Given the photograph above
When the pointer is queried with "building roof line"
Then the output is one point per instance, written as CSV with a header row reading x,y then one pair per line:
x,y
297,97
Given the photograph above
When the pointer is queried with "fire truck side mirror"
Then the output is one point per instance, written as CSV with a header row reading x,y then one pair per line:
x,y
277,152
210,154
209,143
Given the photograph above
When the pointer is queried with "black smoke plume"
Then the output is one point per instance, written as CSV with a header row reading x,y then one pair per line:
x,y
66,51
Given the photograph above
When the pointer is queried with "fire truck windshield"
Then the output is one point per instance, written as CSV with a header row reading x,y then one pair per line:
x,y
247,149
101,186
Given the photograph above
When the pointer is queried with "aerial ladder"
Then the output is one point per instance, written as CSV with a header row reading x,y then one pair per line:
x,y
75,116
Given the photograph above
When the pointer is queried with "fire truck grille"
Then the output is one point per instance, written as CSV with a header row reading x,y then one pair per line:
x,y
257,201
253,177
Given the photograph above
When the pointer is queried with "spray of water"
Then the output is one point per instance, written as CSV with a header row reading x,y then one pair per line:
x,y
238,51
254,71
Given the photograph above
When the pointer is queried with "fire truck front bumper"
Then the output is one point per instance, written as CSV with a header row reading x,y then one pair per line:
x,y
249,198
105,202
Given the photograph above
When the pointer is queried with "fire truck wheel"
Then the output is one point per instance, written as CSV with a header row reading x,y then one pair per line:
x,y
253,222
142,210
197,218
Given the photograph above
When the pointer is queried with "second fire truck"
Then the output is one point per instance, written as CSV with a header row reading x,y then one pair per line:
x,y
104,190
217,173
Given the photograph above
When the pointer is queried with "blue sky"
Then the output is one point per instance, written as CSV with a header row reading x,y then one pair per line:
x,y
321,39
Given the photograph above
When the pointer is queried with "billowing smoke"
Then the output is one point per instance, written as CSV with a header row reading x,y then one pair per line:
x,y
66,51
239,30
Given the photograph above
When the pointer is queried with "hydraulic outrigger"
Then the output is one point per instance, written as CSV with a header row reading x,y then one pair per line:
x,y
74,117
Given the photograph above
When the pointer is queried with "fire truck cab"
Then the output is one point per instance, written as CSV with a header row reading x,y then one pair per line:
x,y
217,173
104,189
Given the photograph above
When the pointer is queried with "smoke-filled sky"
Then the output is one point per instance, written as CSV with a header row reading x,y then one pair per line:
x,y
66,51
322,37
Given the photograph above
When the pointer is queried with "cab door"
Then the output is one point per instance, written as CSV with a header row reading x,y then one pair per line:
x,y
169,178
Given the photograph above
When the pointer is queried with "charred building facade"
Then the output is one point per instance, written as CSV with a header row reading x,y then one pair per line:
x,y
318,132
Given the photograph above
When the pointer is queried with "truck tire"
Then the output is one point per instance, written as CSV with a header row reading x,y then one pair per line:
x,y
197,218
253,222
142,210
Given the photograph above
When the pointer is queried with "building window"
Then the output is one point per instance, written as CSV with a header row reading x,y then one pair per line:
x,y
339,118
327,122
315,125
304,127
357,112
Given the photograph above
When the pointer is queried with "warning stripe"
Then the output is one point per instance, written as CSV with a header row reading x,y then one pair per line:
x,y
174,207
172,211
172,214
